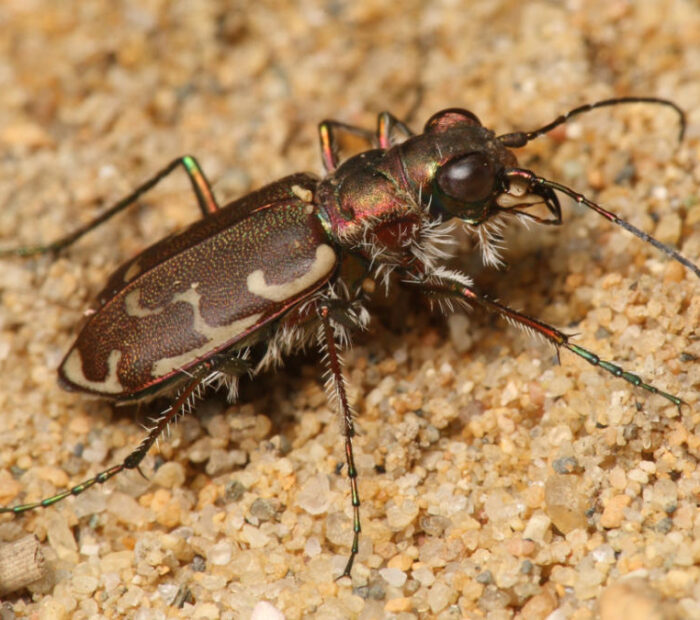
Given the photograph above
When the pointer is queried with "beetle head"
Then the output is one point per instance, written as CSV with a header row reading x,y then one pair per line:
x,y
475,175
480,180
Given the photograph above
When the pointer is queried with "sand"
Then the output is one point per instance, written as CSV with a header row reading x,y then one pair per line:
x,y
494,482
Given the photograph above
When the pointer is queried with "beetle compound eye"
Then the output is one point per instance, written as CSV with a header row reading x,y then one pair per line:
x,y
452,117
469,178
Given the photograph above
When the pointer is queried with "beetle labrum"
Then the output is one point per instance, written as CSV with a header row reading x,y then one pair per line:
x,y
262,273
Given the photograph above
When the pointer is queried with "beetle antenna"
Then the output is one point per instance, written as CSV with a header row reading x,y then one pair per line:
x,y
534,182
521,138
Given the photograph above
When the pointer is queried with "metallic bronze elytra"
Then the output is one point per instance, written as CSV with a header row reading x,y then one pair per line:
x,y
260,277
171,314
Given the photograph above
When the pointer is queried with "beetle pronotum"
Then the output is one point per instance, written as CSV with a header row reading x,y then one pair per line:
x,y
255,279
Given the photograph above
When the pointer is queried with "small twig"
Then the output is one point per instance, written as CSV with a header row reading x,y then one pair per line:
x,y
21,563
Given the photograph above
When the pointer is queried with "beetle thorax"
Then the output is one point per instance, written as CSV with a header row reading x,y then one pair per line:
x,y
370,212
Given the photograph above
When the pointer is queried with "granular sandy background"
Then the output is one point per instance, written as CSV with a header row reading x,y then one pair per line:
x,y
494,483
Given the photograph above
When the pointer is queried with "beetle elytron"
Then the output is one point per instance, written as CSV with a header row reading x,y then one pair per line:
x,y
254,280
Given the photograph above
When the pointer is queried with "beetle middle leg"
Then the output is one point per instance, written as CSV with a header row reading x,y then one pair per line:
x,y
200,185
455,285
337,392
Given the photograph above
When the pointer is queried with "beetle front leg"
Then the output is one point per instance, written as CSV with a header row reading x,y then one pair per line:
x,y
327,133
458,286
336,391
386,124
202,190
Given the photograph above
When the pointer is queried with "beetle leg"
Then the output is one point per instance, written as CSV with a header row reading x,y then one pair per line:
x,y
327,133
200,185
456,285
386,124
336,389
227,371
133,460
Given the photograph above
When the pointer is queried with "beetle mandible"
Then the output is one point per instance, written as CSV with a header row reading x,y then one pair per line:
x,y
259,277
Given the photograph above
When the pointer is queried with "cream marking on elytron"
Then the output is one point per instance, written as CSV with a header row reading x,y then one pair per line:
x,y
133,270
73,370
133,307
321,267
215,335
302,193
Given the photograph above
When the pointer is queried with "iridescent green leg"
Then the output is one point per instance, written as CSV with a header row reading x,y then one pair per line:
x,y
443,286
133,460
202,189
336,387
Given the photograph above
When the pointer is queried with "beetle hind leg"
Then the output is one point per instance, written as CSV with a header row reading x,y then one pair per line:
x,y
181,406
200,185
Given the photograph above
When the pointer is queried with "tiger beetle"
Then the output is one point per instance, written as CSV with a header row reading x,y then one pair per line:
x,y
261,277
